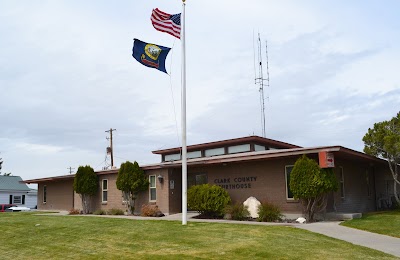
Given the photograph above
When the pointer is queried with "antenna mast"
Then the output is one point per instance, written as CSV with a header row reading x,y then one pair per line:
x,y
259,80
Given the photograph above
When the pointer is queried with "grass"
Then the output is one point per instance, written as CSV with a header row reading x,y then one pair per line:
x,y
386,223
80,237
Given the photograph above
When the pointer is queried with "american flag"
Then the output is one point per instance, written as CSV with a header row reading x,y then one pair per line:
x,y
169,23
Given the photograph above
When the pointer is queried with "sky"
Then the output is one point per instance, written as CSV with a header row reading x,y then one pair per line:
x,y
67,75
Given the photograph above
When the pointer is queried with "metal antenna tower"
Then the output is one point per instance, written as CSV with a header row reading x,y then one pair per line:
x,y
259,80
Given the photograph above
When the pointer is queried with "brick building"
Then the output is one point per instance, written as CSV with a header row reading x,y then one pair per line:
x,y
248,166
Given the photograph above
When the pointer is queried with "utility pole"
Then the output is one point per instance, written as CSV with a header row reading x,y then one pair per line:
x,y
70,169
110,149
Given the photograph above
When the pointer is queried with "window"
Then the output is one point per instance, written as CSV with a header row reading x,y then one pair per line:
x,y
288,170
259,148
197,179
153,190
194,154
18,199
44,194
341,182
239,148
215,151
368,184
104,188
172,157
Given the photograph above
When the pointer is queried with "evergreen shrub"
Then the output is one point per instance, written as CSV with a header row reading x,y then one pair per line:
x,y
100,212
115,212
268,212
237,211
209,200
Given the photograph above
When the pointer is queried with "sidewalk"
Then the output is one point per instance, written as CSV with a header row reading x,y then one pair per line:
x,y
387,244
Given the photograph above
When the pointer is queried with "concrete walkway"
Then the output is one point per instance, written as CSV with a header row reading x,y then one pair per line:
x,y
387,244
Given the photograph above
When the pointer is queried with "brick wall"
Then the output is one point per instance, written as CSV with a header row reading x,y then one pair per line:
x,y
356,197
59,195
264,180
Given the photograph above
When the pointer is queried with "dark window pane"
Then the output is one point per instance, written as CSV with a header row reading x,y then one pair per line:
x,y
153,193
288,171
104,196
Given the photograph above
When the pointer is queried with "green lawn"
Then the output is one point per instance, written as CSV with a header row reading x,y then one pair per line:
x,y
80,237
386,223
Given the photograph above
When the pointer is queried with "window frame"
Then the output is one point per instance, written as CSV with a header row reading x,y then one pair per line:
x,y
19,202
104,190
341,183
153,188
367,179
44,194
287,183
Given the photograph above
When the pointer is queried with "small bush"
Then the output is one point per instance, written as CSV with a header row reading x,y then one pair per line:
x,y
149,210
115,212
74,212
267,212
209,201
100,212
237,211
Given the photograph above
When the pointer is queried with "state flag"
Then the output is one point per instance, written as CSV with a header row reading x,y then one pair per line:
x,y
150,55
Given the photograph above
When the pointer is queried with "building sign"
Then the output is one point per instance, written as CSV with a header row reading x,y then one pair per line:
x,y
236,183
326,160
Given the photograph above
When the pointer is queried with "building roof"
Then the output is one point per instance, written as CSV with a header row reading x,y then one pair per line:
x,y
236,141
338,151
12,183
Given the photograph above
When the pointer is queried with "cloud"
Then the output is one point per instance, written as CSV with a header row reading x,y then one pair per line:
x,y
67,75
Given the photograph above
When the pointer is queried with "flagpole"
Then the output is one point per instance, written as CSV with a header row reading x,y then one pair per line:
x,y
184,148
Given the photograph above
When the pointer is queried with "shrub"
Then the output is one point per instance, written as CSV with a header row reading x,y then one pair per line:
x,y
115,212
268,212
131,180
311,185
237,211
86,185
209,201
74,212
100,212
149,210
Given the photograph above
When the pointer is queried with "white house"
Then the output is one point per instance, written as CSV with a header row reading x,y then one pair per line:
x,y
14,191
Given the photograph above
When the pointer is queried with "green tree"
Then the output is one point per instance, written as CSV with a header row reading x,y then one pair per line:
x,y
86,184
131,180
208,200
383,141
1,165
311,185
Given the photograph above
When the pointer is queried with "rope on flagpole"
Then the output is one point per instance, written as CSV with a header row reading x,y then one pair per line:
x,y
172,95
